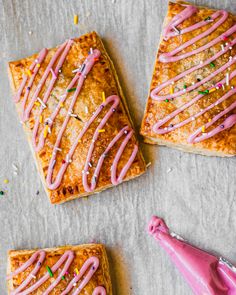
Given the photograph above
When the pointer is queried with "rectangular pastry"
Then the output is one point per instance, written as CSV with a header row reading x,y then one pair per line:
x,y
82,269
74,113
192,101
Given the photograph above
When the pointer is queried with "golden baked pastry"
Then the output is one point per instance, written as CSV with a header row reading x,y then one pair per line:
x,y
74,113
192,103
82,269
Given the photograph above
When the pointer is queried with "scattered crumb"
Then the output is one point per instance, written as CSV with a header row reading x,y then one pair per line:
x,y
169,170
6,181
88,14
30,32
37,193
14,166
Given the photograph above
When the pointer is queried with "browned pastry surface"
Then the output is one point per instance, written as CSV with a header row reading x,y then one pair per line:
x,y
221,144
102,78
82,252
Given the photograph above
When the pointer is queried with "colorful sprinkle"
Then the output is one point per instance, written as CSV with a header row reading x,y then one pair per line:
x,y
212,90
166,100
38,65
28,72
41,102
40,119
76,271
171,89
1,193
101,130
207,18
212,64
45,132
49,271
103,96
63,277
82,68
177,30
227,79
185,86
204,92
71,89
203,129
6,181
76,19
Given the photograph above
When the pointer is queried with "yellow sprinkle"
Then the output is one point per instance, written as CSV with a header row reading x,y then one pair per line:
x,y
37,103
76,19
28,72
171,90
62,105
41,119
38,65
103,96
76,271
212,90
209,120
101,130
45,132
203,128
79,140
5,180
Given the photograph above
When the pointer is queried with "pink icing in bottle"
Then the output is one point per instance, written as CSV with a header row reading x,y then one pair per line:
x,y
204,272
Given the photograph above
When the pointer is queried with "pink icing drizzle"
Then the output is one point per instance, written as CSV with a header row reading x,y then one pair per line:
x,y
171,57
185,14
63,51
204,272
99,291
85,274
79,78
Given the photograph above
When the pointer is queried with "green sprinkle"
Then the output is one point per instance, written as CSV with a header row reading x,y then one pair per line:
x,y
166,100
203,92
1,193
49,271
185,86
207,18
63,277
71,89
212,64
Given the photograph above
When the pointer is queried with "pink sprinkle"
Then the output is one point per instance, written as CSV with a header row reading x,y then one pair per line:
x,y
219,85
225,37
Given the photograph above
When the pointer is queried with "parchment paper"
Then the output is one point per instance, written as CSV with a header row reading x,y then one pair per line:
x,y
194,194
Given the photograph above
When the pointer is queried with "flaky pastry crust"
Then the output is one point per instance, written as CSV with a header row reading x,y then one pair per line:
x,y
221,144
